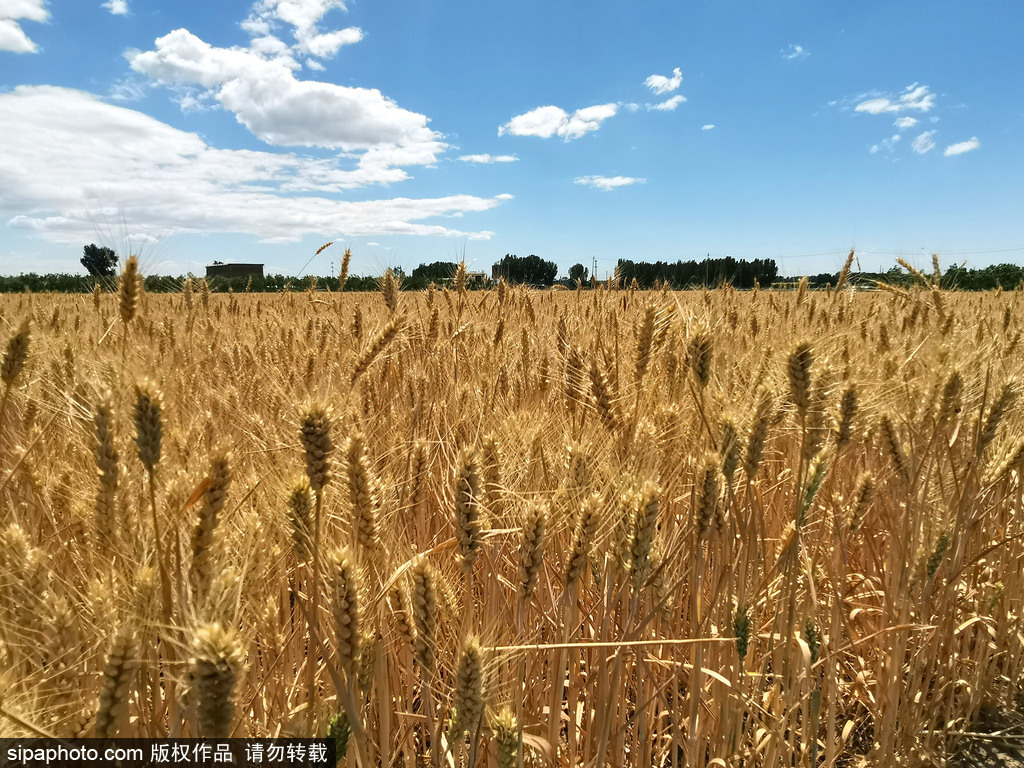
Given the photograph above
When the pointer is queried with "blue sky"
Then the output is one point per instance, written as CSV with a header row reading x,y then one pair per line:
x,y
417,131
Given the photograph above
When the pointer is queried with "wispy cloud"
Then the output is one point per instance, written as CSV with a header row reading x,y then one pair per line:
x,y
905,122
485,158
923,143
549,121
128,89
794,51
914,96
12,36
608,183
117,7
963,146
886,144
661,84
669,105
707,126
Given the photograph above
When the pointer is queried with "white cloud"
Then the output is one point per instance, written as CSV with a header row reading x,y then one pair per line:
x,y
326,45
963,146
914,96
256,26
33,10
181,57
128,89
12,36
707,127
542,121
549,121
905,122
874,106
794,51
303,16
57,178
193,99
607,183
117,7
661,84
488,158
887,144
271,47
668,105
274,105
923,143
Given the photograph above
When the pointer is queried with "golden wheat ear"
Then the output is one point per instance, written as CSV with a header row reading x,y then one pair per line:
x,y
216,664
117,680
345,609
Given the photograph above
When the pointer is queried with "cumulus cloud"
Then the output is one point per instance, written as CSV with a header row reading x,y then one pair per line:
x,y
607,183
258,83
117,7
661,84
181,57
267,98
12,36
325,45
963,146
57,178
304,17
549,121
668,105
707,126
923,143
914,96
302,14
794,51
905,122
485,158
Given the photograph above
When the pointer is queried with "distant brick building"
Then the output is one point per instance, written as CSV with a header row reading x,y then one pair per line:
x,y
219,269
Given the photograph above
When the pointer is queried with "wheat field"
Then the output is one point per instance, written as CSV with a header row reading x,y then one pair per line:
x,y
515,527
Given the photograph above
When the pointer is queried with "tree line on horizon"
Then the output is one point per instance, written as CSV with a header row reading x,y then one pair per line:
x,y
101,263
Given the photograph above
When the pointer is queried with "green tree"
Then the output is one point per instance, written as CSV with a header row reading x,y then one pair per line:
x,y
438,271
578,272
99,261
527,269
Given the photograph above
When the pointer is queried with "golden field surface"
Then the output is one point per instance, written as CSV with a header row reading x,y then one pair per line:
x,y
515,527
